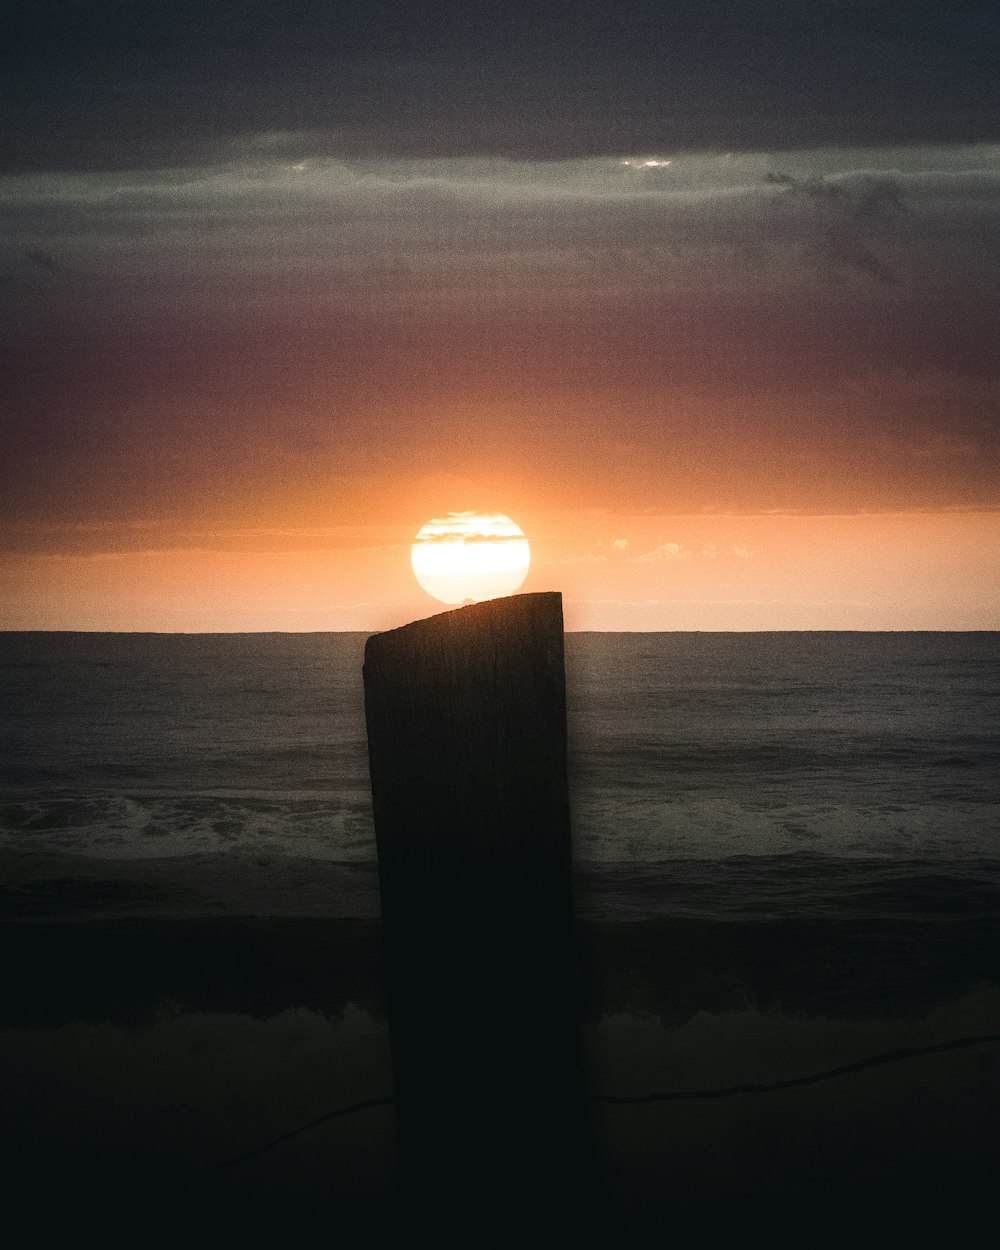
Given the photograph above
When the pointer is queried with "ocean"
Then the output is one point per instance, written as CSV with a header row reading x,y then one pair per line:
x,y
872,752
786,856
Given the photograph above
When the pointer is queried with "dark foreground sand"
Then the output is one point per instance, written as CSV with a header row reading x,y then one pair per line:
x,y
138,1050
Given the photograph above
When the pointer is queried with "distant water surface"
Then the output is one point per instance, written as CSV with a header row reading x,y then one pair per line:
x,y
710,773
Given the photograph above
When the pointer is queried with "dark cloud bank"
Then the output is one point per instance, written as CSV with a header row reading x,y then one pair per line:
x,y
114,83
248,247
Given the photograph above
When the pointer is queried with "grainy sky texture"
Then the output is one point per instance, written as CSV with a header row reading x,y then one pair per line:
x,y
705,296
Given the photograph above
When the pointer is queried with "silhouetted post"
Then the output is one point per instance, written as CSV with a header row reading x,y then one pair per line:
x,y
466,721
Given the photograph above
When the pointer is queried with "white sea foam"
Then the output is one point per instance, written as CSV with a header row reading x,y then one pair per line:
x,y
681,746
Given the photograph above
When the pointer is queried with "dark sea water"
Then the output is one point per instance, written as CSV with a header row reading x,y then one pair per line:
x,y
787,856
713,775
684,746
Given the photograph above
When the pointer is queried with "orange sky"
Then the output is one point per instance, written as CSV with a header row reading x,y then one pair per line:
x,y
729,367
696,572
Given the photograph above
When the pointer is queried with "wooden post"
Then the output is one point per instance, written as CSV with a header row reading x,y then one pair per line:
x,y
467,748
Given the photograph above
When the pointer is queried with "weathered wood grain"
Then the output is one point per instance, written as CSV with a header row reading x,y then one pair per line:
x,y
467,744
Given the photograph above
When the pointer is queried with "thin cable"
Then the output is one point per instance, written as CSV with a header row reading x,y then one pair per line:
x,y
873,1061
731,1091
385,1101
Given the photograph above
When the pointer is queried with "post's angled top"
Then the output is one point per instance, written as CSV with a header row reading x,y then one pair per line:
x,y
510,609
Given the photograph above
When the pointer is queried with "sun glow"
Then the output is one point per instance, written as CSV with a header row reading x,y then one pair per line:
x,y
470,556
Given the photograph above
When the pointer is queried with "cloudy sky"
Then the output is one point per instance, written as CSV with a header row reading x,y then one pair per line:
x,y
705,295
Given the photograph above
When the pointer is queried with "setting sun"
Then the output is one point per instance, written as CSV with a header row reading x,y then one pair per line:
x,y
470,556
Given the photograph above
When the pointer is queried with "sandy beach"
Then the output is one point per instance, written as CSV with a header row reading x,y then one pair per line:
x,y
139,1051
